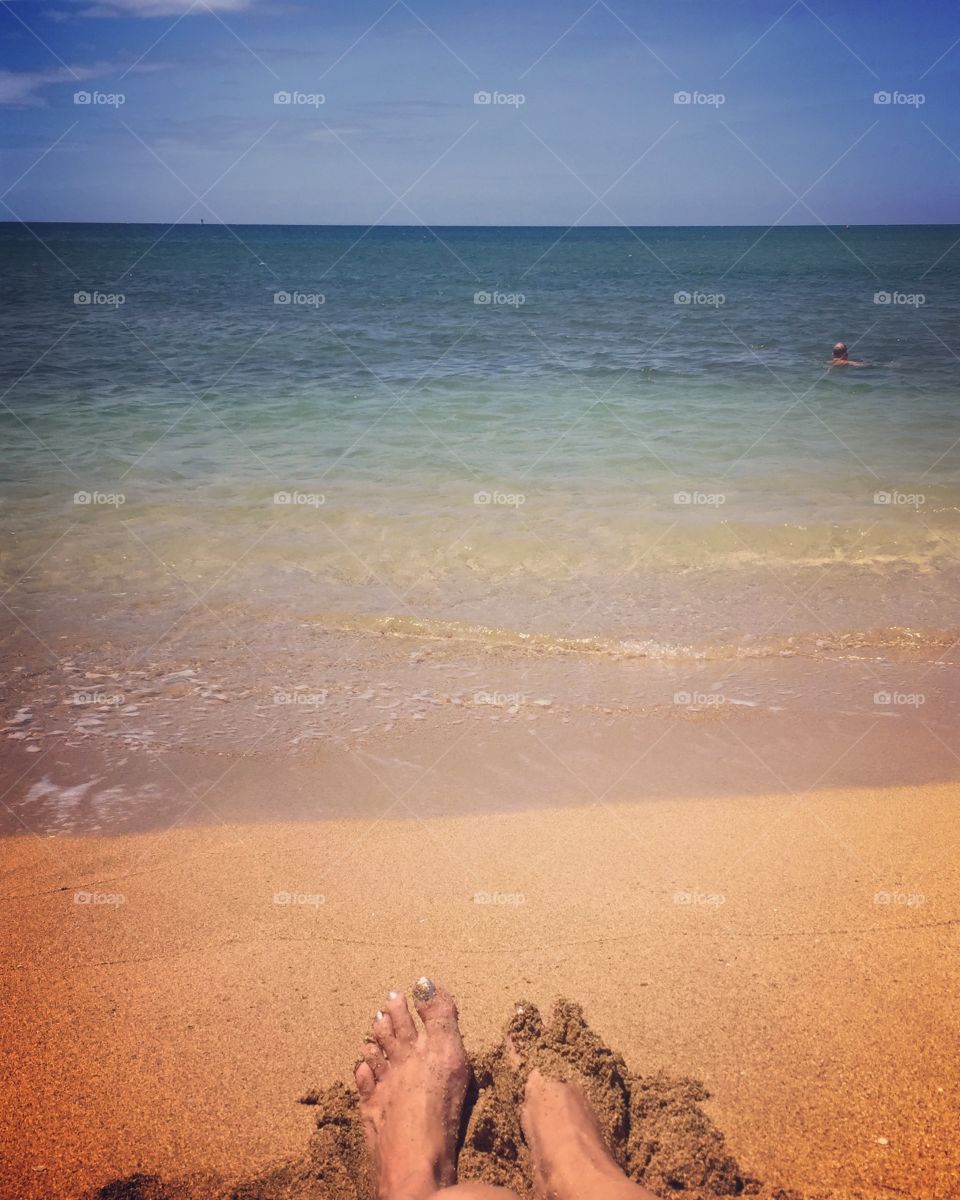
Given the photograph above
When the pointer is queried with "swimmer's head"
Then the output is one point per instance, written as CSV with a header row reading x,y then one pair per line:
x,y
840,350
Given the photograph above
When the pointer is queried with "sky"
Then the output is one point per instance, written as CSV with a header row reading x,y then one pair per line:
x,y
673,112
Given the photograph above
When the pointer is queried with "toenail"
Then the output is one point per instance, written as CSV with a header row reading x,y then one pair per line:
x,y
392,995
424,989
378,1016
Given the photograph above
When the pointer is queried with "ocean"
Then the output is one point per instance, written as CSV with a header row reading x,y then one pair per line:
x,y
225,444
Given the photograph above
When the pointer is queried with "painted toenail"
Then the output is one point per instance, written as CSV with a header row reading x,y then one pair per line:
x,y
424,989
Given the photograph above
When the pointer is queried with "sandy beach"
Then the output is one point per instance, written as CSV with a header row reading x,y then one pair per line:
x,y
169,996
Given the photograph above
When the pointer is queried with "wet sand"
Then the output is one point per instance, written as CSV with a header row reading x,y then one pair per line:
x,y
168,996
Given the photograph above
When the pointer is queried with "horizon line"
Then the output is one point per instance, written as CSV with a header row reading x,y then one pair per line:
x,y
485,225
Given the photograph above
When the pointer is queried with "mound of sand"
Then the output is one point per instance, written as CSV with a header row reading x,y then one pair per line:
x,y
654,1125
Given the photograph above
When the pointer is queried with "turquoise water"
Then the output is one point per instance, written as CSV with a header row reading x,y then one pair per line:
x,y
579,455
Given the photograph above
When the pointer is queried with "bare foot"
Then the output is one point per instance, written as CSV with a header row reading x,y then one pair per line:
x,y
568,1155
412,1085
569,1158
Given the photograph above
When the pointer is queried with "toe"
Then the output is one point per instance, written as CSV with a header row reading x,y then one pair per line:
x,y
512,1052
366,1084
436,1007
535,1086
403,1027
373,1057
383,1032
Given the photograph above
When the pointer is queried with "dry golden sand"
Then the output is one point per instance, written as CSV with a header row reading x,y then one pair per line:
x,y
175,1031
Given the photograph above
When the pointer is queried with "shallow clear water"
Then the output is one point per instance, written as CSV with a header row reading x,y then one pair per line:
x,y
596,460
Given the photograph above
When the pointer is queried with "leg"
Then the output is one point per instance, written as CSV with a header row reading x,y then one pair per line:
x,y
570,1159
412,1085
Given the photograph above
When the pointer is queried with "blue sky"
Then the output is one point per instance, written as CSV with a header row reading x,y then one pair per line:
x,y
399,139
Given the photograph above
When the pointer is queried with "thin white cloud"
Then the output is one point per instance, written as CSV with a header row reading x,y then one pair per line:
x,y
22,89
161,8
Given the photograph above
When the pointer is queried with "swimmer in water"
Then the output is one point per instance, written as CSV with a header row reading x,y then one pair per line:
x,y
840,358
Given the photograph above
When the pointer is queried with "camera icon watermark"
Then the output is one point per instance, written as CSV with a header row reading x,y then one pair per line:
x,y
903,899
300,499
699,699
705,499
901,299
99,299
699,899
98,699
109,499
700,99
504,299
302,299
100,99
108,899
900,99
500,99
300,699
507,499
500,699
901,699
900,499
300,99
288,899
701,299
502,899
